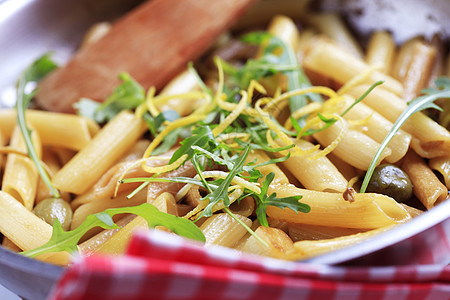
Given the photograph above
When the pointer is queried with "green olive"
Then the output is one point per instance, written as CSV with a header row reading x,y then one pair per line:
x,y
54,208
391,181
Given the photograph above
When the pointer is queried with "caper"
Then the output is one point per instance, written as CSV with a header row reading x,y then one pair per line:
x,y
391,181
54,208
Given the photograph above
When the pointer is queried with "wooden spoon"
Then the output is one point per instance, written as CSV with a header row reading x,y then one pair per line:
x,y
153,43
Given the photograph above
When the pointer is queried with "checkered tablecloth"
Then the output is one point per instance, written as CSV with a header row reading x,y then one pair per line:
x,y
159,265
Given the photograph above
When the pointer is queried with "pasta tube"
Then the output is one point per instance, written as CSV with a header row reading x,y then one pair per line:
x,y
426,186
442,165
16,222
278,242
429,138
332,25
223,230
300,232
381,50
316,174
368,211
21,177
55,129
403,58
259,157
306,249
419,70
88,165
377,127
355,148
328,59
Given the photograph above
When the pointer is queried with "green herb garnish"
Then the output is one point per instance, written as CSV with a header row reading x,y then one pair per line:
x,y
426,101
264,200
67,240
127,95
296,77
35,72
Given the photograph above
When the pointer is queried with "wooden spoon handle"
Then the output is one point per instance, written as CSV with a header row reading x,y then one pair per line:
x,y
153,43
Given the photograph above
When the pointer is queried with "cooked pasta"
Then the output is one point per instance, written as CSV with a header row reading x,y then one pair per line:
x,y
244,147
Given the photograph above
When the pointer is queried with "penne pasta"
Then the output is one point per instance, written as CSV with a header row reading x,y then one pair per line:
x,y
377,127
429,138
91,245
442,165
2,144
381,51
344,168
16,221
51,161
285,29
278,242
403,58
300,232
72,132
117,244
260,157
182,83
328,59
368,211
355,148
88,165
426,186
20,178
326,176
222,230
419,70
99,205
244,207
307,249
332,25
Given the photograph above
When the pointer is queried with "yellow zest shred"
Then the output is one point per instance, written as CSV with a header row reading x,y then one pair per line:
x,y
336,141
273,144
169,128
149,101
236,180
166,168
221,83
295,150
360,122
193,214
122,176
223,138
359,79
9,150
352,181
233,116
305,110
314,89
255,85
162,99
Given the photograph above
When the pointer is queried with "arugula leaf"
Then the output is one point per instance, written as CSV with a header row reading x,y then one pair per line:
x,y
263,200
36,71
418,104
221,193
67,240
154,124
328,122
201,136
296,78
128,95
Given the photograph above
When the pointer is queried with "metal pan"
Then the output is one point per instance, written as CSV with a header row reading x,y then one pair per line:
x,y
30,28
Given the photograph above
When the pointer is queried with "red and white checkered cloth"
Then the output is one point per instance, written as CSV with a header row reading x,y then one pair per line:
x,y
160,266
